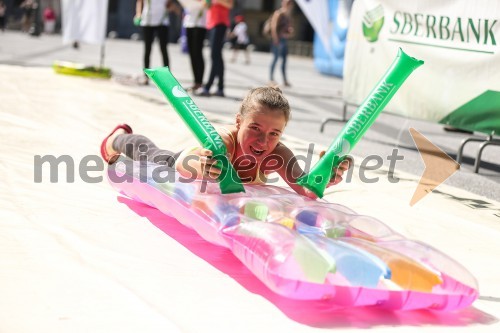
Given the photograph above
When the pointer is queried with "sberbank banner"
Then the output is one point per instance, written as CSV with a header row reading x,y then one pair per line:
x,y
459,40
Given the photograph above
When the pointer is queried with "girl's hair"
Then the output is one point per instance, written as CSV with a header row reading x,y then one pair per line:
x,y
269,97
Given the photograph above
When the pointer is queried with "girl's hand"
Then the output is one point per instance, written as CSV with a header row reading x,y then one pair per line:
x,y
338,172
205,164
197,163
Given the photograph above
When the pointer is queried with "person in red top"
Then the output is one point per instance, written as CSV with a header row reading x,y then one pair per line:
x,y
217,23
49,20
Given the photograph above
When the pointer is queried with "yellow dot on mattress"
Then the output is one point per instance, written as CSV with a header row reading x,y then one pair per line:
x,y
287,222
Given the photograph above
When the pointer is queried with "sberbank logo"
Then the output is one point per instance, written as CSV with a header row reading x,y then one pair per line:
x,y
177,91
373,20
456,31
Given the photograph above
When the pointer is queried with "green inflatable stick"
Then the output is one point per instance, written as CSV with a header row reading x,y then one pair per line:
x,y
206,134
320,174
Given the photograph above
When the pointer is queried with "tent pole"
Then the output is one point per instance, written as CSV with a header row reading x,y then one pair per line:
x,y
101,62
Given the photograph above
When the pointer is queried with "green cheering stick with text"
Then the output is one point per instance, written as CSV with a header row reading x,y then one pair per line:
x,y
200,126
319,176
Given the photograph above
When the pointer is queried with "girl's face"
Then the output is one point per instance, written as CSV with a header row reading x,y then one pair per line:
x,y
259,131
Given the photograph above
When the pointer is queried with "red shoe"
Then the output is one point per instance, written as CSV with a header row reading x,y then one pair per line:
x,y
111,159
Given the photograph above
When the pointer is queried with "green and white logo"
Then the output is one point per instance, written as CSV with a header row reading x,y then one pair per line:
x,y
177,91
373,20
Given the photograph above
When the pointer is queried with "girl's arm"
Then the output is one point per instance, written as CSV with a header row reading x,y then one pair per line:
x,y
290,171
196,162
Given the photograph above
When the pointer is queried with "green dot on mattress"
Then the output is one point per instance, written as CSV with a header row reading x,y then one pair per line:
x,y
256,210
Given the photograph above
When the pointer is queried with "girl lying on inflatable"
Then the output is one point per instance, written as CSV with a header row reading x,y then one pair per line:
x,y
253,146
299,247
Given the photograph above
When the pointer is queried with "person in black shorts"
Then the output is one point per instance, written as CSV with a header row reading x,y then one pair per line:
x,y
240,33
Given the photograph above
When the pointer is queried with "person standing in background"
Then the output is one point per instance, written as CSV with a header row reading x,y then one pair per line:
x,y
195,24
49,20
28,7
240,31
217,23
3,9
281,30
152,16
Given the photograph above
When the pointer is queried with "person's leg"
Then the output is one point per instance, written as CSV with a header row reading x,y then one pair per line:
x,y
162,31
148,35
134,146
29,22
199,40
195,38
247,54
284,54
235,53
275,52
190,35
211,77
24,22
220,35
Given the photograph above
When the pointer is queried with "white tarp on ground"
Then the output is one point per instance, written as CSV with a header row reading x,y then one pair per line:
x,y
459,40
76,257
84,21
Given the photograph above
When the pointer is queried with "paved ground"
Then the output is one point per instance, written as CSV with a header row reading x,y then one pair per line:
x,y
313,97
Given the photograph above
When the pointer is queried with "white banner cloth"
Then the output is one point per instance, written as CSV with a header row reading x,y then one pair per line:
x,y
457,39
316,12
84,21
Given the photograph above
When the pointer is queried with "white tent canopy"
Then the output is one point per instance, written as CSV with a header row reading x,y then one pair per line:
x,y
317,14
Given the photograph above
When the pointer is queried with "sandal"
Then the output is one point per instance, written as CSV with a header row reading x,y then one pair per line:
x,y
111,159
